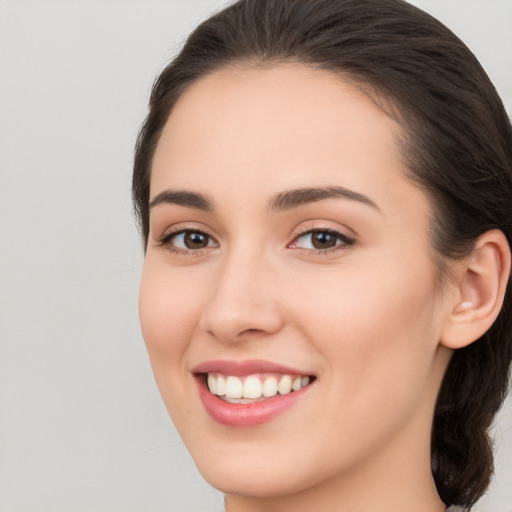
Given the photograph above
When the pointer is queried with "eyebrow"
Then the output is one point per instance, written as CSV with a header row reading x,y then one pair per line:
x,y
183,198
285,200
290,199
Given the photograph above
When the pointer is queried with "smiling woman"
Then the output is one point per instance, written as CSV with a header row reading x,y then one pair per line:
x,y
324,195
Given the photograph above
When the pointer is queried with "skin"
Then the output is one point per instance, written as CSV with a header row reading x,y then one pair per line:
x,y
365,319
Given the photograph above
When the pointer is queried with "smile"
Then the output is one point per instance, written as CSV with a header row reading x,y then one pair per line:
x,y
246,394
259,387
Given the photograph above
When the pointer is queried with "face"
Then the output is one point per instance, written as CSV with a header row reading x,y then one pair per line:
x,y
288,250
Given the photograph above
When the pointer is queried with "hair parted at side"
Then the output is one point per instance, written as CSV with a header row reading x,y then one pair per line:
x,y
457,145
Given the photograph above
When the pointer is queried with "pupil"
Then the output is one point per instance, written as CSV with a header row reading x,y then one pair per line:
x,y
322,240
195,240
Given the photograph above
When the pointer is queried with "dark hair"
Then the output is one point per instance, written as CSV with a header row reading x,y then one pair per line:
x,y
457,144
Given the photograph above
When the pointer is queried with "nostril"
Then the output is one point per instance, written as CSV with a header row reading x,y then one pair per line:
x,y
251,332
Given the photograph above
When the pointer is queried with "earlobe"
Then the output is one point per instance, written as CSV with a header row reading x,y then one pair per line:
x,y
477,296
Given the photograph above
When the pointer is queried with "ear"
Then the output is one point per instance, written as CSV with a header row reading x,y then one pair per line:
x,y
478,290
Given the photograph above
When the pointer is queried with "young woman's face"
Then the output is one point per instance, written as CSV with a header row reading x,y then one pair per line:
x,y
287,248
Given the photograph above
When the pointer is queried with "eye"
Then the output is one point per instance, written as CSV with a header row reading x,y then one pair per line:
x,y
187,240
323,240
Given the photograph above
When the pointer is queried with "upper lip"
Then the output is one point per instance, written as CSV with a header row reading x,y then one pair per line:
x,y
248,367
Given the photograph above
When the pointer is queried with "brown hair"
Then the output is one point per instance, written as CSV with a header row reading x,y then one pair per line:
x,y
457,144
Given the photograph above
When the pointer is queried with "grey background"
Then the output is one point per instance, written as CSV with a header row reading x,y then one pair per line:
x,y
82,427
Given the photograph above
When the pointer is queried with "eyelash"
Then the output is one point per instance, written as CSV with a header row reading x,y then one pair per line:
x,y
166,241
344,242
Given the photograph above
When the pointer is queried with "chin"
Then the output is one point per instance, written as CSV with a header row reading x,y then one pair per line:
x,y
256,482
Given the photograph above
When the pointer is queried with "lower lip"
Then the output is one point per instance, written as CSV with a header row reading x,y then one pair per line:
x,y
246,415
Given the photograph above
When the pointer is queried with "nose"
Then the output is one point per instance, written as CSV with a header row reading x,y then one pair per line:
x,y
242,304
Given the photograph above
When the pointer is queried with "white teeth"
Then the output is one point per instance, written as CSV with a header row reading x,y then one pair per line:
x,y
285,385
220,388
212,384
234,388
270,387
253,387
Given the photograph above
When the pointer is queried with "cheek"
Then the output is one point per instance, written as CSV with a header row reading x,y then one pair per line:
x,y
169,312
376,334
375,325
169,307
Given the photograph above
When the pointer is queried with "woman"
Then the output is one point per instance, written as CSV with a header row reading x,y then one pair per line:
x,y
324,189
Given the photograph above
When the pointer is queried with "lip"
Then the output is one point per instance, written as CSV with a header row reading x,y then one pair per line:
x,y
249,367
245,415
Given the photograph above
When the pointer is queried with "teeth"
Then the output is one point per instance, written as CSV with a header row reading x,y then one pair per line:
x,y
234,387
285,385
270,387
212,384
221,386
254,387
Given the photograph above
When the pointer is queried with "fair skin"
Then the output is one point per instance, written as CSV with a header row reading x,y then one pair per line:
x,y
342,289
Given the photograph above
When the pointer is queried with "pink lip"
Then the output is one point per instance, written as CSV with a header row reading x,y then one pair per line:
x,y
245,415
240,368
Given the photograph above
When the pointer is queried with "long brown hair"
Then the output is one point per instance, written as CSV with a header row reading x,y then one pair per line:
x,y
457,144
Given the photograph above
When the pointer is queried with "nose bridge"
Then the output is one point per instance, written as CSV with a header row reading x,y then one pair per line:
x,y
242,303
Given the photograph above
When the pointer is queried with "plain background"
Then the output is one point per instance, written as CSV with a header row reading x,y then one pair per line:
x,y
82,427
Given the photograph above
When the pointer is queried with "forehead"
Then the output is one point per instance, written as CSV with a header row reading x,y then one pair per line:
x,y
278,127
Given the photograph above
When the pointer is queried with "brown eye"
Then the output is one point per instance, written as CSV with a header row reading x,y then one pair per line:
x,y
323,240
195,240
188,240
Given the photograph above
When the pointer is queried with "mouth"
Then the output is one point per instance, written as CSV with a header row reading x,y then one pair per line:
x,y
253,388
249,393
